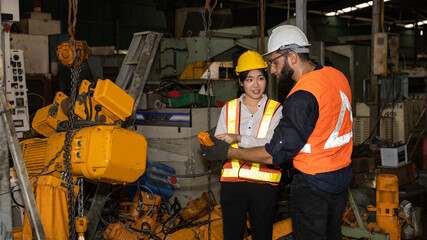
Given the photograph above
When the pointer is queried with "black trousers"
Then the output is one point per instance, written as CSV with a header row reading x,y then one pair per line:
x,y
315,215
240,198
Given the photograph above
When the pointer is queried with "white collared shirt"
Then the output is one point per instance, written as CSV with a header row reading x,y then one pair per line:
x,y
249,123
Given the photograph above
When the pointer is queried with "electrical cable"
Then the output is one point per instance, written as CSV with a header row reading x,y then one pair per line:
x,y
104,200
145,232
141,200
161,193
172,220
16,202
90,106
152,194
84,96
90,94
38,95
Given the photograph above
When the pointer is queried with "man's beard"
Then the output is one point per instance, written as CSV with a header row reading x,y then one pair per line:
x,y
285,74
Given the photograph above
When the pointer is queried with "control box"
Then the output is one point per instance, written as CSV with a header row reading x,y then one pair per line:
x,y
16,90
394,157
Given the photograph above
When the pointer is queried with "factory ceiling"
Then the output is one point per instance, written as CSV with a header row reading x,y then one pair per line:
x,y
399,13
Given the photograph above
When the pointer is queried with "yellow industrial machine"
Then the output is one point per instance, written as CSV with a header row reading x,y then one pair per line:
x,y
283,229
388,212
195,221
101,153
47,118
143,213
106,103
73,52
51,194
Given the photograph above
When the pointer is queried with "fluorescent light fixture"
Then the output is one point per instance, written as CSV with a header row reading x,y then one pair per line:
x,y
362,5
351,9
419,24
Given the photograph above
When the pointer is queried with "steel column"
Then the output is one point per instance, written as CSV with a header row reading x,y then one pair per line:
x,y
375,90
301,18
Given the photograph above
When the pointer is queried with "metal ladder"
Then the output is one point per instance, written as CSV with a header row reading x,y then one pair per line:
x,y
132,78
137,64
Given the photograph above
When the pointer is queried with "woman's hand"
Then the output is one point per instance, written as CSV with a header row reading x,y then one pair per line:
x,y
229,138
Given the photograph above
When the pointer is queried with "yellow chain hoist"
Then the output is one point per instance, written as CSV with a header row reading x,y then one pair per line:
x,y
73,53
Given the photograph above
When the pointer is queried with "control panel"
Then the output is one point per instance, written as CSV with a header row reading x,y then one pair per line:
x,y
164,117
16,90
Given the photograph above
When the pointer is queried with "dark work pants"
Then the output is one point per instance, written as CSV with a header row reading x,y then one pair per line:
x,y
315,215
240,198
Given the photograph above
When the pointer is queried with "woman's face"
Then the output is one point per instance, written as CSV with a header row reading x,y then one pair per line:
x,y
254,84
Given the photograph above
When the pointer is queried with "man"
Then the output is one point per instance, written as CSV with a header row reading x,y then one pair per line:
x,y
315,132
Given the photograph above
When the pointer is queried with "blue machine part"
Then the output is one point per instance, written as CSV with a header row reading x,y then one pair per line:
x,y
159,184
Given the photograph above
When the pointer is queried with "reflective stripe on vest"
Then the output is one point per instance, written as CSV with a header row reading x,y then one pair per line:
x,y
235,170
330,144
334,140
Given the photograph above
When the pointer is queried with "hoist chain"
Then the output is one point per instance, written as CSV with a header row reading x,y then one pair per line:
x,y
75,71
36,177
80,208
207,28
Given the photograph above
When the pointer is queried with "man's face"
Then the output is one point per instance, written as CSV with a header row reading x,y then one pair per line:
x,y
280,67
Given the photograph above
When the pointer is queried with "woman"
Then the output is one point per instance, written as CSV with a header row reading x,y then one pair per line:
x,y
249,121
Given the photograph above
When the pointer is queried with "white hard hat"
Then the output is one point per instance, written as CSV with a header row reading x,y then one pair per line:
x,y
287,37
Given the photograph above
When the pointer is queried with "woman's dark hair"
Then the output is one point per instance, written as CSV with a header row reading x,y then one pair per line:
x,y
243,75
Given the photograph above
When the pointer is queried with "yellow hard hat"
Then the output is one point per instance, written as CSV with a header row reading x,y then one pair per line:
x,y
250,60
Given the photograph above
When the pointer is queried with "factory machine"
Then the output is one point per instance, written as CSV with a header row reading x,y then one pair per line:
x,y
15,84
101,151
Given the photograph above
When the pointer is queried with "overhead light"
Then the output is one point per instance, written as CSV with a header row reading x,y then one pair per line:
x,y
419,24
362,5
351,9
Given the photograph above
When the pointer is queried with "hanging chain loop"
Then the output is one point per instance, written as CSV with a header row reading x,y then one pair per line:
x,y
207,27
75,71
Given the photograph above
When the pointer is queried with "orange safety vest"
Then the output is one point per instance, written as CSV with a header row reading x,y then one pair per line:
x,y
235,170
330,145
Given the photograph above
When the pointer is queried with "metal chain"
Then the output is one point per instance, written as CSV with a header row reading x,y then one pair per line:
x,y
72,15
207,28
80,200
36,177
75,71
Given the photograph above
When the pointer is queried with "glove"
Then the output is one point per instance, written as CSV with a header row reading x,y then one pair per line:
x,y
217,152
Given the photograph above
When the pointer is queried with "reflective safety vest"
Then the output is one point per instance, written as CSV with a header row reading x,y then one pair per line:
x,y
235,170
330,145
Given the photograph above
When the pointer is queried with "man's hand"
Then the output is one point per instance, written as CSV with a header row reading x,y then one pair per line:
x,y
229,138
217,152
